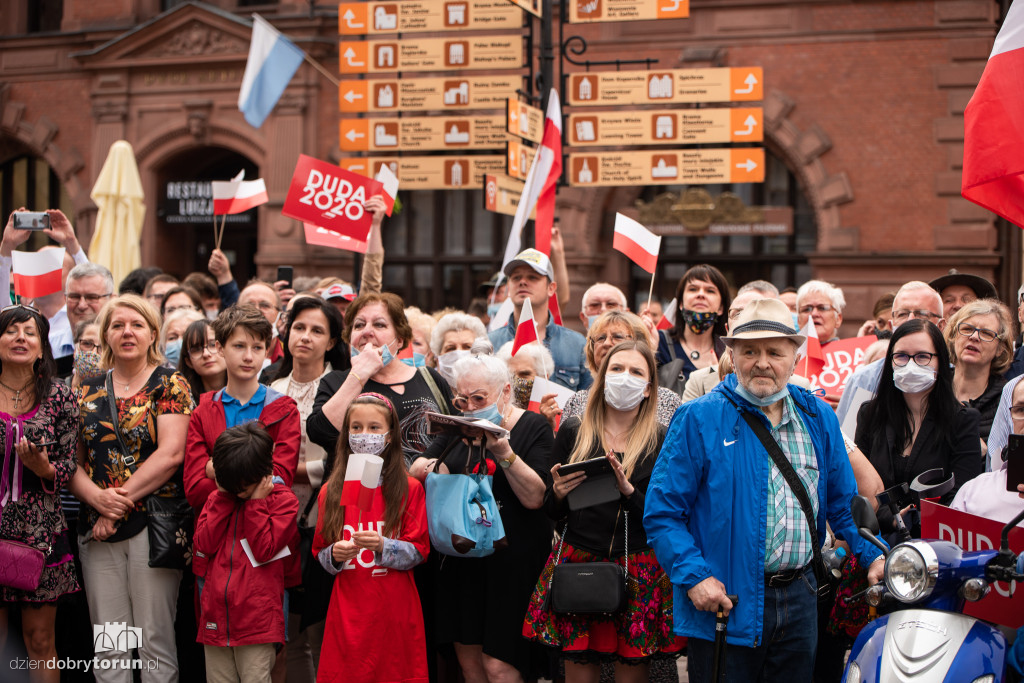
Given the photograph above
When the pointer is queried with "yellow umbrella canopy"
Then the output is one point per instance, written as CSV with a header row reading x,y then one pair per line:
x,y
118,194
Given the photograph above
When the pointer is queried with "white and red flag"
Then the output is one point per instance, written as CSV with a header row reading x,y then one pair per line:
x,y
668,316
37,273
810,359
526,330
543,387
637,242
390,183
362,478
993,172
237,195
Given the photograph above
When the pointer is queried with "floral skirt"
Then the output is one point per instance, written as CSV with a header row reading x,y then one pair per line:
x,y
642,629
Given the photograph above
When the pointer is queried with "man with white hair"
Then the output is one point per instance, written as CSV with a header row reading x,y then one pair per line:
x,y
915,299
601,298
823,303
753,415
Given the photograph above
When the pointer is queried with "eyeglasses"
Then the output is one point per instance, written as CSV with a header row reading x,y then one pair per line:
x,y
820,308
266,306
91,299
921,358
616,338
17,306
155,298
87,345
1017,412
183,307
904,314
984,335
197,352
464,402
598,306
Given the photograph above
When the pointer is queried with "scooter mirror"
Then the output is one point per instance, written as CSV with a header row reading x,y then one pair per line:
x,y
932,484
863,515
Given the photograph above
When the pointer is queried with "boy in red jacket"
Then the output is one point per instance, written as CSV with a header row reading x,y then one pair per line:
x,y
246,522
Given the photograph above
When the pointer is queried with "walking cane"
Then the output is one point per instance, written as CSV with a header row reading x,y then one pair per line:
x,y
721,620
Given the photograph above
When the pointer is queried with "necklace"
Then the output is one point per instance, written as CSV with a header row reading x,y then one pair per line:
x,y
130,381
16,398
694,353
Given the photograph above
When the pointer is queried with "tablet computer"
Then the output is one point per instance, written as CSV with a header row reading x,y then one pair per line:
x,y
599,486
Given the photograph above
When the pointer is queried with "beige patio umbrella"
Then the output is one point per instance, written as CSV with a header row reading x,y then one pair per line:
x,y
118,194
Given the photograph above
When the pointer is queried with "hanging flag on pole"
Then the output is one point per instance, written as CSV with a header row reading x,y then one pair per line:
x,y
526,330
273,60
362,477
37,273
993,171
238,195
810,360
637,242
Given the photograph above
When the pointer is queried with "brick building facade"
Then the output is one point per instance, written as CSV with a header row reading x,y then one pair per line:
x,y
863,128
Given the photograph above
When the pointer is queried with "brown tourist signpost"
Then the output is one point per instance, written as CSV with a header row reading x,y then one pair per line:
x,y
427,94
583,11
524,121
670,86
518,158
667,167
666,126
431,173
431,54
502,193
408,16
423,133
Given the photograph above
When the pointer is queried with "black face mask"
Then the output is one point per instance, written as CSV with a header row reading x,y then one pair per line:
x,y
699,322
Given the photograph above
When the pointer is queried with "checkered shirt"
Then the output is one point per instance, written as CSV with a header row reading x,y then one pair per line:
x,y
788,536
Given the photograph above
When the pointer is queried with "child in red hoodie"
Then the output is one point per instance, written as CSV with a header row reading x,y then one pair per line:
x,y
245,526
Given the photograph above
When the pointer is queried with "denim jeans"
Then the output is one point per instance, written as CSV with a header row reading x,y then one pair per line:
x,y
787,645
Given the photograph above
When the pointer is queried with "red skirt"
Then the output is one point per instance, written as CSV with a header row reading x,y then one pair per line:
x,y
643,628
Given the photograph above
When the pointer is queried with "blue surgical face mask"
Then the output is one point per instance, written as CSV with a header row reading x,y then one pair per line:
x,y
762,402
173,351
490,413
796,321
492,309
385,354
418,360
591,319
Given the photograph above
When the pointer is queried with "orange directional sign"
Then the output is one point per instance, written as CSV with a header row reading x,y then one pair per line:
x,y
431,54
581,11
675,167
431,173
518,159
725,84
427,94
502,193
531,6
419,133
659,127
408,16
524,121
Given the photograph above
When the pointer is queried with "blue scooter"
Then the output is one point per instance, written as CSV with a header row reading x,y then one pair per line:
x,y
930,640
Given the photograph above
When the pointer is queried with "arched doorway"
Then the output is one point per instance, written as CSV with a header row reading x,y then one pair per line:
x,y
27,180
184,213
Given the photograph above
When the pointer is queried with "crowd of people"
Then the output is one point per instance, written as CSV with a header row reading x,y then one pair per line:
x,y
178,454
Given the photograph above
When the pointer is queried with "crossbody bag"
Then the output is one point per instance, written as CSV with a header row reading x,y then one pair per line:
x,y
588,587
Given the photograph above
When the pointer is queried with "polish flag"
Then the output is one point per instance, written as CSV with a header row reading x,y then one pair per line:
x,y
637,242
526,331
993,171
810,359
539,187
668,316
362,477
541,388
554,309
390,182
237,195
37,273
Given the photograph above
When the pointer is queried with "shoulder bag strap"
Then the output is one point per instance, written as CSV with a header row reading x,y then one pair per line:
x,y
130,462
432,385
790,475
671,345
309,506
561,541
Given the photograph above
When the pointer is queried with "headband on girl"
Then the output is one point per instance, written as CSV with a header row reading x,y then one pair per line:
x,y
379,397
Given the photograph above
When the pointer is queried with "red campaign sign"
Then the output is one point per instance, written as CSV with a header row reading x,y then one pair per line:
x,y
331,197
329,238
841,359
1005,603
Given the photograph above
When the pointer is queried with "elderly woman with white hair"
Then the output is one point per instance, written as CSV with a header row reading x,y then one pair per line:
x,y
487,597
532,360
823,303
452,338
172,334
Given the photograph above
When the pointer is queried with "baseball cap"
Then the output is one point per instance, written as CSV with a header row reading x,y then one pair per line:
x,y
339,292
533,258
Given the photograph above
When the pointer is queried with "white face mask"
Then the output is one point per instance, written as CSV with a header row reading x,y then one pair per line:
x,y
912,378
624,391
446,361
371,444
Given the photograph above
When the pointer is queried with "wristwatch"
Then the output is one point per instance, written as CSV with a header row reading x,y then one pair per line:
x,y
507,462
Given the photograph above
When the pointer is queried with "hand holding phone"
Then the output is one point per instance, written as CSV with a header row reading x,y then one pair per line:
x,y
1014,462
285,273
31,220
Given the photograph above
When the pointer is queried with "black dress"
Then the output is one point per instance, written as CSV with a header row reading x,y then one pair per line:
x,y
482,601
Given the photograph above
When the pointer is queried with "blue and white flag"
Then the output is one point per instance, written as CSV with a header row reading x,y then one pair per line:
x,y
273,60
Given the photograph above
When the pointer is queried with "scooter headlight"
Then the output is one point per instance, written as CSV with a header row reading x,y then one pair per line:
x,y
852,673
911,571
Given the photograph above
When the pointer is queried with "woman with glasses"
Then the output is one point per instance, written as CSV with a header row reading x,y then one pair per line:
x,y
201,362
180,298
610,329
915,423
39,431
980,345
87,353
486,598
172,334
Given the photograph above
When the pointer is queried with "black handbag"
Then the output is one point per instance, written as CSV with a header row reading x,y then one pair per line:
x,y
171,521
671,373
588,587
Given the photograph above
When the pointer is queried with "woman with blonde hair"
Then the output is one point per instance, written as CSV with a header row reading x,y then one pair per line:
x,y
620,423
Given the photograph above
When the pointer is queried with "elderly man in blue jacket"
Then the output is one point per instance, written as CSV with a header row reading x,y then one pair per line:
x,y
722,519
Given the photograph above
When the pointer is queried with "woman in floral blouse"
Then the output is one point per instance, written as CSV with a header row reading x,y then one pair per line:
x,y
38,433
153,404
